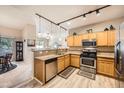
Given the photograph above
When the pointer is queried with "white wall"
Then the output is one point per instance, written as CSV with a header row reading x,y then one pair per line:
x,y
98,26
29,32
9,32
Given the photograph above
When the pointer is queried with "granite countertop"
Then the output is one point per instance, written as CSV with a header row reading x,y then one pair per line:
x,y
47,57
105,55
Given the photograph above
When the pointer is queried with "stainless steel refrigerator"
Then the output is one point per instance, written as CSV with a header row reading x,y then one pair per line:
x,y
119,57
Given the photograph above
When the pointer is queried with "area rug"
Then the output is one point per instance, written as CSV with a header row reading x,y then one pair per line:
x,y
6,70
86,74
67,72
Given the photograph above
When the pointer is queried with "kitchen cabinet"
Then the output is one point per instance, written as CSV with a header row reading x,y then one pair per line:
x,y
78,40
70,41
105,66
92,36
60,64
85,36
102,38
111,38
75,61
39,70
67,60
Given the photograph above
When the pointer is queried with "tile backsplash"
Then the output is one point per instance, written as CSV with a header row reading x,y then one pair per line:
x,y
106,49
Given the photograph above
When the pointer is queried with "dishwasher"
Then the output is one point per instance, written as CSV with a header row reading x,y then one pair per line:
x,y
50,68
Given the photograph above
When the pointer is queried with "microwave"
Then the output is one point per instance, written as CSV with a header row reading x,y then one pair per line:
x,y
89,43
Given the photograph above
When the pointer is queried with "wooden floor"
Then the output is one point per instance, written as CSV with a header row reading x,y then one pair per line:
x,y
74,81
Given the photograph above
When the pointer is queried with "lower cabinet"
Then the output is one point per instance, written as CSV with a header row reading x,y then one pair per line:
x,y
105,66
67,61
60,64
75,60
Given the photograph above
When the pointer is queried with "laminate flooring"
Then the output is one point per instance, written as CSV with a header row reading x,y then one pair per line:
x,y
74,81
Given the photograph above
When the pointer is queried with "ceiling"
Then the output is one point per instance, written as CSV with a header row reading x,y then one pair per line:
x,y
17,16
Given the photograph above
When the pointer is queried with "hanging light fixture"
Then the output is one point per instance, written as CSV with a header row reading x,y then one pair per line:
x,y
39,28
97,12
84,17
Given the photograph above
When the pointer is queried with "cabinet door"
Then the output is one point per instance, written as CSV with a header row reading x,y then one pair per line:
x,y
75,60
61,65
39,70
102,39
92,36
109,68
70,41
111,38
85,36
67,61
100,67
105,66
78,40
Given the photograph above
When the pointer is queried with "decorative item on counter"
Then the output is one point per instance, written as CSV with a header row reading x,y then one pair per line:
x,y
30,42
89,30
106,29
111,27
74,33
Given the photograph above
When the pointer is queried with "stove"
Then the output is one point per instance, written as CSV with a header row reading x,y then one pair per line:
x,y
88,62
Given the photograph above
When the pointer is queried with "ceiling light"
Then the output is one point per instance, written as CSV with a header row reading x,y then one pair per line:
x,y
97,12
84,17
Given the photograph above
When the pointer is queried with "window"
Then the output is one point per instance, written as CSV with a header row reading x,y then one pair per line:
x,y
6,44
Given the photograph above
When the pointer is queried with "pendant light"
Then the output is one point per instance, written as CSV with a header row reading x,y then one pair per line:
x,y
84,17
97,13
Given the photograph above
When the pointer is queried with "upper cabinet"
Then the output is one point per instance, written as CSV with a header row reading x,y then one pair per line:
x,y
111,38
92,36
106,38
85,36
70,40
78,40
102,38
74,40
89,36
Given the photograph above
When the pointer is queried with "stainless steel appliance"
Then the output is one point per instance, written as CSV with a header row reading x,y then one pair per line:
x,y
51,68
88,62
89,43
119,57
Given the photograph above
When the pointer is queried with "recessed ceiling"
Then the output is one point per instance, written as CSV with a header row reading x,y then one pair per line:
x,y
20,15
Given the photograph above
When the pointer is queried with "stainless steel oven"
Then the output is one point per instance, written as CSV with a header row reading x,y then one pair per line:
x,y
89,43
88,58
88,62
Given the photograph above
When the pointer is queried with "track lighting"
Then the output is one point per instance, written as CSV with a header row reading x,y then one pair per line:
x,y
97,12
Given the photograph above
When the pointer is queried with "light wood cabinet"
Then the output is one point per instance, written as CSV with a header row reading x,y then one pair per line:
x,y
60,64
105,66
39,70
70,41
78,40
75,60
102,38
85,36
111,38
67,61
92,36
